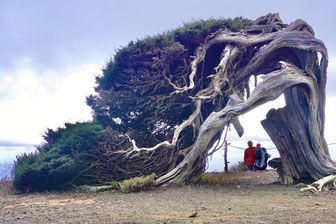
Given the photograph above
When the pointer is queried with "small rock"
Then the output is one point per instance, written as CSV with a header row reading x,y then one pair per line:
x,y
194,214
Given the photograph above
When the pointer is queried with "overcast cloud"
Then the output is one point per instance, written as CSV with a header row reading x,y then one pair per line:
x,y
31,102
52,50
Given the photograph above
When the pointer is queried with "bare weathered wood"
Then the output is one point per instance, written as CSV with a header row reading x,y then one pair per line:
x,y
323,183
226,163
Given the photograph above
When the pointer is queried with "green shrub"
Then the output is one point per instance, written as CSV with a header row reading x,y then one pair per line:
x,y
115,185
77,137
138,183
206,179
43,172
61,162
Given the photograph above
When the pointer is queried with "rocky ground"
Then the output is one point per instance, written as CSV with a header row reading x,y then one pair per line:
x,y
241,197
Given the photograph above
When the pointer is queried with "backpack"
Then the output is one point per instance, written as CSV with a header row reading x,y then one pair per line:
x,y
266,154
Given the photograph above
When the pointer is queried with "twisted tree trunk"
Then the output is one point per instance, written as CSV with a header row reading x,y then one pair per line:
x,y
300,143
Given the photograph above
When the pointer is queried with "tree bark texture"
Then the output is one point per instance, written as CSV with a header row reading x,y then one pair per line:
x,y
294,138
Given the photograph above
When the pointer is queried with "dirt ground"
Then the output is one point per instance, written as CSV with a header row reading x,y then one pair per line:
x,y
242,197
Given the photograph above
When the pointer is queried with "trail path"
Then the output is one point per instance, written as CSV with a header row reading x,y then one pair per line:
x,y
244,197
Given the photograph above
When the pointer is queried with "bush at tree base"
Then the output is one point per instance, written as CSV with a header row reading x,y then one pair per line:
x,y
63,161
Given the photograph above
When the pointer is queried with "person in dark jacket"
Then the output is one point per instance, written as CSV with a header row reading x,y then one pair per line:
x,y
249,156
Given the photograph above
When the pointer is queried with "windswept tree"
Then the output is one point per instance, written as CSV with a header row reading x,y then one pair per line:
x,y
163,102
171,96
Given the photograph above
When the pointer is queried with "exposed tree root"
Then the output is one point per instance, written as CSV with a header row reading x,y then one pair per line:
x,y
326,183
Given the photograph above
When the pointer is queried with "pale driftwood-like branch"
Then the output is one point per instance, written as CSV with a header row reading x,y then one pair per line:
x,y
324,183
200,54
177,132
221,76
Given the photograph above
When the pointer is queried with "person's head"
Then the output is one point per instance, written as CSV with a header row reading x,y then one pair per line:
x,y
258,146
250,144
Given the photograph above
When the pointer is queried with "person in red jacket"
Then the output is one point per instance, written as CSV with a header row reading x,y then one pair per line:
x,y
249,156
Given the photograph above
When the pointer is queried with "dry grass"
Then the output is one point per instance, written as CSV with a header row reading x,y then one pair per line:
x,y
6,186
138,183
240,167
223,178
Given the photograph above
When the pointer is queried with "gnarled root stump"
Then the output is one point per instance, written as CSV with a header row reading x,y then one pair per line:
x,y
276,164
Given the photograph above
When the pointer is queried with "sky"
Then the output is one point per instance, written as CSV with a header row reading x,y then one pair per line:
x,y
51,52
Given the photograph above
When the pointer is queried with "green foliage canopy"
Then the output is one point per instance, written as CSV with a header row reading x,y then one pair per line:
x,y
62,161
134,95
